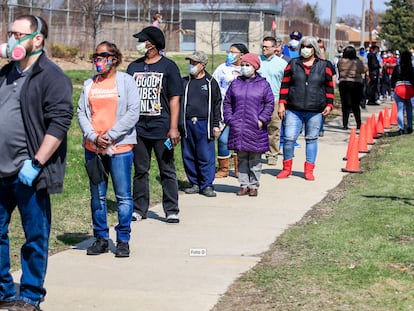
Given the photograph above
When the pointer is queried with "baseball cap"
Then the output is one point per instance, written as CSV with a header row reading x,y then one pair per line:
x,y
153,35
296,35
198,56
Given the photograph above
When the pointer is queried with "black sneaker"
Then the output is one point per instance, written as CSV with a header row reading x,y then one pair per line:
x,y
122,249
100,246
193,189
208,192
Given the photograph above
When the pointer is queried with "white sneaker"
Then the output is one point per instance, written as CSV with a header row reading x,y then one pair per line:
x,y
173,219
136,216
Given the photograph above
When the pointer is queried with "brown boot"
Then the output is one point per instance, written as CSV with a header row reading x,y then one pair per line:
x,y
309,171
287,169
236,165
223,170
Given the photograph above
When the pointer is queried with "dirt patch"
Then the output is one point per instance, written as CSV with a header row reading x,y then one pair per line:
x,y
75,64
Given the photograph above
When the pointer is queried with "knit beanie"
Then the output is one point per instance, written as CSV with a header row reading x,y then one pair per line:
x,y
252,59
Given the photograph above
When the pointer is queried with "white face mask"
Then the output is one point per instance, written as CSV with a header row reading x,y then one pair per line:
x,y
306,52
247,71
193,69
141,48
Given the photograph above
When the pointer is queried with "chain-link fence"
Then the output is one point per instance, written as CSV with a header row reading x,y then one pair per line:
x,y
83,24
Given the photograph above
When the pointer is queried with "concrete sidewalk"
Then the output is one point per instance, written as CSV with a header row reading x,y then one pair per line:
x,y
229,233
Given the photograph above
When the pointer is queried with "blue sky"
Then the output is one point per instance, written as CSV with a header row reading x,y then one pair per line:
x,y
344,7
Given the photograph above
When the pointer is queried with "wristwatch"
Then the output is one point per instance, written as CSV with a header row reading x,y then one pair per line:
x,y
36,163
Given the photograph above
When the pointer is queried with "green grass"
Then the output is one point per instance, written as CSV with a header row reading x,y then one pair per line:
x,y
353,251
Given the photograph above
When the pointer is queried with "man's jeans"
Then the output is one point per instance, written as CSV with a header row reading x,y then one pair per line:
x,y
35,212
119,166
293,122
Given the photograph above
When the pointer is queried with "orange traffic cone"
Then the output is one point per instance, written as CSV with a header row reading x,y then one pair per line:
x,y
351,141
394,117
352,164
374,126
387,122
370,137
380,125
362,141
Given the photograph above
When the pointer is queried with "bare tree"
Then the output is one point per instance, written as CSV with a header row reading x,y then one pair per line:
x,y
91,11
4,19
212,37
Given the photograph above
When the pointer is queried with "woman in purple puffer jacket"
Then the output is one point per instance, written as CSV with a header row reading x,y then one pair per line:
x,y
248,107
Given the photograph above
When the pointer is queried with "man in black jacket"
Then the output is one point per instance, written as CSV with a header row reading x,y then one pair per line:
x,y
36,112
373,77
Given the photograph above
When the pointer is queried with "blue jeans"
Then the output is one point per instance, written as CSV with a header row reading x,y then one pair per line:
x,y
199,154
404,105
293,121
222,150
35,212
119,166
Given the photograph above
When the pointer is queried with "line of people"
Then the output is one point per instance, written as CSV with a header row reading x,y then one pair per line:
x,y
124,117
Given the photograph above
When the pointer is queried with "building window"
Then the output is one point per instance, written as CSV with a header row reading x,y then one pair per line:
x,y
188,31
233,31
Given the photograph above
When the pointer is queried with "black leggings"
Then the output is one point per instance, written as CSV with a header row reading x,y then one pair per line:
x,y
351,95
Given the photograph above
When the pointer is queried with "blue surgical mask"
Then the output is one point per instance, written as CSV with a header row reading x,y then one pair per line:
x,y
231,58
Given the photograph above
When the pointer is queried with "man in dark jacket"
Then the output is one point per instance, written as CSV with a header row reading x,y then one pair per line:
x,y
373,76
35,112
201,117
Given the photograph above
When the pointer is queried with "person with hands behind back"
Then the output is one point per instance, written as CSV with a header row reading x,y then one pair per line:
x,y
108,110
159,83
306,95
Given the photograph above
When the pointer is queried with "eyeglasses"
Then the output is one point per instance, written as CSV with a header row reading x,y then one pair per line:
x,y
98,57
17,35
309,46
267,47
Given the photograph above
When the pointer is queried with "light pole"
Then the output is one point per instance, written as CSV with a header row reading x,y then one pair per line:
x,y
332,31
363,24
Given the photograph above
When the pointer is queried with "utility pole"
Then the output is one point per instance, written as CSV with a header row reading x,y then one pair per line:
x,y
332,31
370,22
363,24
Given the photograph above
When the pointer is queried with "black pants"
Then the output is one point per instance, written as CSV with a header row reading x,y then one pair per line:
x,y
142,161
351,95
373,88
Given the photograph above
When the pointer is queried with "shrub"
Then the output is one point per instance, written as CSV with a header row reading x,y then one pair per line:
x,y
62,51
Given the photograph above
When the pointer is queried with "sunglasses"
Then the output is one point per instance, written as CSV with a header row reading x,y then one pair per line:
x,y
101,56
309,46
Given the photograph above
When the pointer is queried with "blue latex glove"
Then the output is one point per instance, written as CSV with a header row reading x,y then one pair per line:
x,y
28,172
